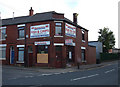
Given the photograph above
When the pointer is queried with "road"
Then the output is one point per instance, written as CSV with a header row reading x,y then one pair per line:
x,y
107,75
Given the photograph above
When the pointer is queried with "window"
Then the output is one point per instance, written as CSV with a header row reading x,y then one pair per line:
x,y
42,49
2,52
30,49
21,32
20,54
83,55
2,33
58,29
83,35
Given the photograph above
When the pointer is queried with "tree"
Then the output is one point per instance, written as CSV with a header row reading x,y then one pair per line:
x,y
107,38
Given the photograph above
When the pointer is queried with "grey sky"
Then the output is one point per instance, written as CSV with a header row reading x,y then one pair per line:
x,y
93,14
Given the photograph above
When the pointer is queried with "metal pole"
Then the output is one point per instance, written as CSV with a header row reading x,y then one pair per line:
x,y
25,51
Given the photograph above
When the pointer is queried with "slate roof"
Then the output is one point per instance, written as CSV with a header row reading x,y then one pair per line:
x,y
38,17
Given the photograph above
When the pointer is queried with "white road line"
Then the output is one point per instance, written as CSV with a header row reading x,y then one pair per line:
x,y
46,74
57,73
64,72
84,77
110,71
28,76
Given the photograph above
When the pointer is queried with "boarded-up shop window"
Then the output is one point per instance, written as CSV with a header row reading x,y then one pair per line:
x,y
42,54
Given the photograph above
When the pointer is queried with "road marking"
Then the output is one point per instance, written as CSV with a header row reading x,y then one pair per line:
x,y
110,71
28,76
46,74
84,77
57,73
71,71
63,72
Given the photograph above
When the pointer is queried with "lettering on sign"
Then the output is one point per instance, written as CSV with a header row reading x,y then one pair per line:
x,y
39,31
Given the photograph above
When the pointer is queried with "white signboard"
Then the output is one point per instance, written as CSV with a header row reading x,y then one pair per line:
x,y
42,43
70,30
40,31
69,42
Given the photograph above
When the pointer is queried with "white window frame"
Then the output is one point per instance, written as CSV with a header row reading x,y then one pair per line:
x,y
18,57
1,28
21,25
3,45
58,44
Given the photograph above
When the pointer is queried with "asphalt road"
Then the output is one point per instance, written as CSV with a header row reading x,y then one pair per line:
x,y
107,75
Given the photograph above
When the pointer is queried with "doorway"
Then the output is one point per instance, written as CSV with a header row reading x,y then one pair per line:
x,y
58,50
30,56
70,54
12,55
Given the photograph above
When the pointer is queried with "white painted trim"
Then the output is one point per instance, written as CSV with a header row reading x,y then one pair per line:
x,y
19,61
20,45
20,38
3,45
58,44
58,21
3,27
83,40
21,25
2,39
2,58
83,47
58,36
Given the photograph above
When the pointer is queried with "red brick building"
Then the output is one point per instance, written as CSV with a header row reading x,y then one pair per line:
x,y
44,39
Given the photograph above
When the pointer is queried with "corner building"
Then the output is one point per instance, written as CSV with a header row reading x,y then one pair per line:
x,y
44,39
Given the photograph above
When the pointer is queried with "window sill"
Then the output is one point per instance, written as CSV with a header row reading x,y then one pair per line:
x,y
19,61
58,36
2,39
20,38
83,40
2,58
84,61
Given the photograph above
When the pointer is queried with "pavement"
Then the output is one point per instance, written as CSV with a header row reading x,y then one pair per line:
x,y
61,70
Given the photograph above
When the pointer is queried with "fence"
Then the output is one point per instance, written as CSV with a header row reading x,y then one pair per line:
x,y
109,56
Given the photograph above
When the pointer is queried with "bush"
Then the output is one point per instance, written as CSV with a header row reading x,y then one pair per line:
x,y
109,56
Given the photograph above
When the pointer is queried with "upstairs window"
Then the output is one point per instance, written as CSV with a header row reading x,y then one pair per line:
x,y
2,52
58,29
83,35
21,33
2,33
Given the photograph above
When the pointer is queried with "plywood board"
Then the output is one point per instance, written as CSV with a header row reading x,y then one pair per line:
x,y
42,58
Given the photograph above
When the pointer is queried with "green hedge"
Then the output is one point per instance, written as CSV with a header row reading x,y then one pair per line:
x,y
109,56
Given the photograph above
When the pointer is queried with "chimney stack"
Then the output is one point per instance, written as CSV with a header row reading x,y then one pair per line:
x,y
75,18
31,12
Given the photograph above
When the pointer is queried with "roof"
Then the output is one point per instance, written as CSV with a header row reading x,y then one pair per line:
x,y
91,46
93,41
38,17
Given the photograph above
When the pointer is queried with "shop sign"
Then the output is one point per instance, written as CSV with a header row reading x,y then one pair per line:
x,y
42,43
70,30
39,31
69,42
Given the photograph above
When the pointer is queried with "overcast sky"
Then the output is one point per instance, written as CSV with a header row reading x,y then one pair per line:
x,y
93,14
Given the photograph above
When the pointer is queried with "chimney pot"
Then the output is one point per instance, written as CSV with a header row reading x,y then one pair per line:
x,y
31,12
75,18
